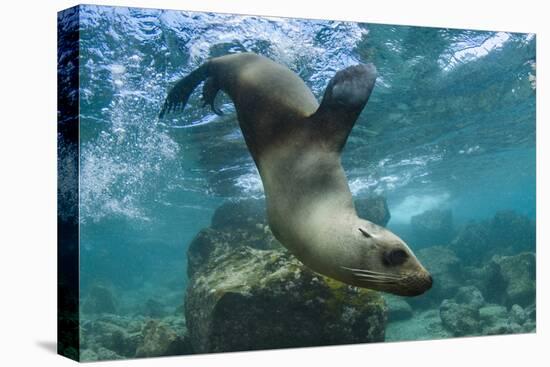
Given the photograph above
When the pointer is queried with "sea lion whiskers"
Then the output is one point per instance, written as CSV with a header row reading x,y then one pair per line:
x,y
373,277
373,273
376,277
375,281
390,277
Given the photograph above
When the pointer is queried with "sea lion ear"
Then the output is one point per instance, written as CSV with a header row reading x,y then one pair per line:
x,y
344,99
364,232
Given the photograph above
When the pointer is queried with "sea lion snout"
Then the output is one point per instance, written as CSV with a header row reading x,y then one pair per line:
x,y
425,282
415,284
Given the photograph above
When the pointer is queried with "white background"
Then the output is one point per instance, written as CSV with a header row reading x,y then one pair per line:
x,y
28,183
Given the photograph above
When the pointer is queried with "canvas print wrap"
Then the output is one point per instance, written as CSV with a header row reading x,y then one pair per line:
x,y
238,182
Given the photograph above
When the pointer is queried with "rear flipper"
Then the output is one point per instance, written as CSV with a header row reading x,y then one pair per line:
x,y
344,99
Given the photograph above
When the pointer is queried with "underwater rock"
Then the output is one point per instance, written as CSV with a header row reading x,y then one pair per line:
x,y
529,327
471,296
432,227
398,308
492,314
247,299
460,319
242,214
472,243
518,315
100,299
496,320
115,338
461,315
104,354
182,344
374,209
234,224
518,273
158,340
501,328
88,355
210,242
445,269
507,233
512,233
111,332
425,325
488,279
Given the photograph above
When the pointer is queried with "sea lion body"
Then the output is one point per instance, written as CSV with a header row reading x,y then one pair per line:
x,y
296,145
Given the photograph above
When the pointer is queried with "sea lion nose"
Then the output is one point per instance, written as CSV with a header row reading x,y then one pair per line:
x,y
429,281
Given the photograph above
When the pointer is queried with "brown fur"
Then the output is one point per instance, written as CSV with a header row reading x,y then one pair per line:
x,y
296,144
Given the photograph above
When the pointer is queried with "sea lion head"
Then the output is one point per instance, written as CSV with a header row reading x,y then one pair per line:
x,y
384,262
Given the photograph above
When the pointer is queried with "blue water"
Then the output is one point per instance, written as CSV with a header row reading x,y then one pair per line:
x,y
450,125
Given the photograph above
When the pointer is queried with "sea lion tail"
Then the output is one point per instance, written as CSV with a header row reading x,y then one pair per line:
x,y
179,94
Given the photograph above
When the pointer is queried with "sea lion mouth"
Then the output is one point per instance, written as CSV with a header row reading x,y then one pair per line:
x,y
402,284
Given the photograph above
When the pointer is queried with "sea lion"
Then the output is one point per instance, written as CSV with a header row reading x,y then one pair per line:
x,y
296,145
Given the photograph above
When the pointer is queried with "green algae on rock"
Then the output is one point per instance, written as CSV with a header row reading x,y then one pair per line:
x,y
247,299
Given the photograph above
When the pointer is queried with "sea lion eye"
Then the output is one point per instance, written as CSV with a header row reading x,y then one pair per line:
x,y
395,257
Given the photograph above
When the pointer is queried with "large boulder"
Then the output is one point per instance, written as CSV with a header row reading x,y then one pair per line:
x,y
374,209
247,298
432,227
234,224
211,243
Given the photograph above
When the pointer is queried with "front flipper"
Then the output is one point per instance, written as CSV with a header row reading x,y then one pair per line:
x,y
344,99
209,92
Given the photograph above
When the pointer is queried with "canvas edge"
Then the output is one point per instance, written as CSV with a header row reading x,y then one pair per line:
x,y
68,317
